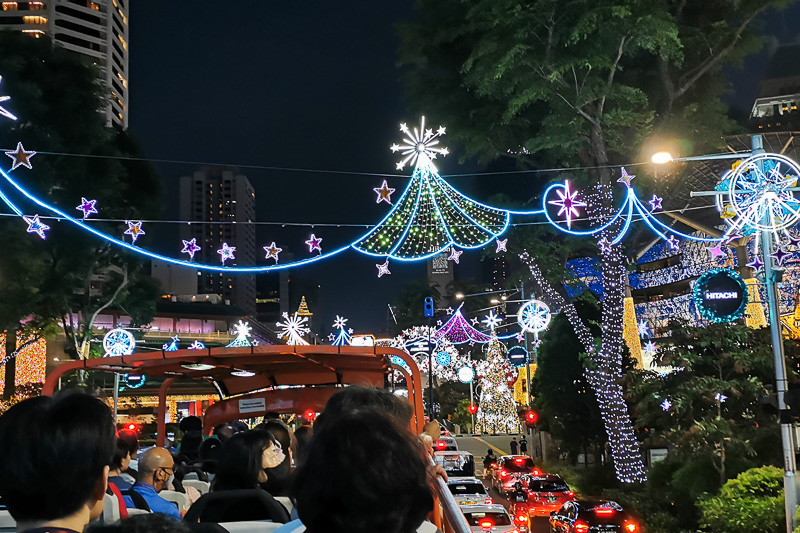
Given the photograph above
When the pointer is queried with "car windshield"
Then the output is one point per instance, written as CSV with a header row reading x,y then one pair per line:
x,y
519,464
539,485
497,518
467,488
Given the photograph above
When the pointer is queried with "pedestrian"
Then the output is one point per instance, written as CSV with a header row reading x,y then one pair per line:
x,y
523,446
513,445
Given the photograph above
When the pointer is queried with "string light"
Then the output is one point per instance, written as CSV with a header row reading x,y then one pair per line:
x,y
3,111
458,331
497,411
242,331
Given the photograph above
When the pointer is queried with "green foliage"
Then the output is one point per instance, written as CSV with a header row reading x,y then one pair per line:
x,y
408,305
751,502
58,98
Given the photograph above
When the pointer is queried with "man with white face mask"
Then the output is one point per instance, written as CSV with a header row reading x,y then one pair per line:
x,y
156,472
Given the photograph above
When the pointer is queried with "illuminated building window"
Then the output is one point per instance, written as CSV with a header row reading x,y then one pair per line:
x,y
34,20
35,6
94,6
9,6
34,33
124,43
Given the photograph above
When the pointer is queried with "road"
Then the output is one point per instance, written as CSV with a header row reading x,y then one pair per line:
x,y
477,446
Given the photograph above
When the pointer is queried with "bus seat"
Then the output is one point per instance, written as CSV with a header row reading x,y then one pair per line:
x,y
286,502
134,512
250,527
110,509
178,498
202,487
7,523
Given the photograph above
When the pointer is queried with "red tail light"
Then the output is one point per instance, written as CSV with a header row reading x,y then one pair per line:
x,y
518,460
536,472
522,518
489,501
581,527
503,473
441,445
571,494
486,524
631,527
604,512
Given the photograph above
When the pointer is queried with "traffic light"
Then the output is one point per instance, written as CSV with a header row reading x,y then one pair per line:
x,y
473,409
428,307
310,415
530,418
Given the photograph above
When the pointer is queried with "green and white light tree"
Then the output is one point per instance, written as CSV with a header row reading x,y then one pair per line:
x,y
497,412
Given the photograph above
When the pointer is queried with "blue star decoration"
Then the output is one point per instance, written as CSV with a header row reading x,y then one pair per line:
x,y
88,207
626,178
21,157
134,229
36,226
756,263
655,202
674,243
226,252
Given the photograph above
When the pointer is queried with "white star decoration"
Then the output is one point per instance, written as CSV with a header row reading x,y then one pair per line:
x,y
421,144
313,243
272,252
134,229
454,254
226,252
36,226
21,157
501,245
384,193
568,202
492,320
383,268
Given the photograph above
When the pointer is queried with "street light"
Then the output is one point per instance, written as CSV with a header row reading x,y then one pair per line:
x,y
459,296
660,158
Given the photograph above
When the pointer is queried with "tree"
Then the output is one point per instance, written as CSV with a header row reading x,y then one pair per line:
x,y
497,412
708,408
71,276
570,82
563,398
751,502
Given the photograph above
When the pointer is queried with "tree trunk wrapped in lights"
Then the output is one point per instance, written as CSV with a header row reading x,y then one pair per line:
x,y
497,412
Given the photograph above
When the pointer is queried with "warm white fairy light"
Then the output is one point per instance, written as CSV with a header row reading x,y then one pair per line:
x,y
420,145
293,328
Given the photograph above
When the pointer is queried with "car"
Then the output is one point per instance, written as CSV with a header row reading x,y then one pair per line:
x,y
546,493
583,516
469,491
458,464
510,469
489,518
445,444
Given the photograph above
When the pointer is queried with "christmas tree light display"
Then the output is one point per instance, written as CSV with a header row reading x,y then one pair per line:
x,y
343,337
171,346
302,309
497,412
242,330
458,331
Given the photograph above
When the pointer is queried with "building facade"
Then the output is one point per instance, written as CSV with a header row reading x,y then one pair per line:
x,y
223,202
97,29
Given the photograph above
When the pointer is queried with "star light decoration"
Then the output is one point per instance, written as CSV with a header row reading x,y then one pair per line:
x,y
226,252
604,245
419,142
716,251
674,243
134,229
3,111
501,245
384,193
88,207
272,251
35,225
314,243
21,157
780,255
190,247
568,202
626,178
383,268
655,202
650,348
644,329
293,328
455,254
666,404
720,397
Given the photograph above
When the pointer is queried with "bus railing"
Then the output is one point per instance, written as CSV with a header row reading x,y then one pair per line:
x,y
453,520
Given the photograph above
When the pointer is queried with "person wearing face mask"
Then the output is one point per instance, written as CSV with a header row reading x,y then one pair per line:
x,y
156,471
243,465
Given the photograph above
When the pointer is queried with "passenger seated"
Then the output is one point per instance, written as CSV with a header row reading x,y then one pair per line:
x,y
144,523
363,473
54,455
277,482
119,464
155,470
242,464
130,438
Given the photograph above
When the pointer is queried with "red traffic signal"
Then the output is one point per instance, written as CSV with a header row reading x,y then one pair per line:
x,y
473,409
310,415
530,418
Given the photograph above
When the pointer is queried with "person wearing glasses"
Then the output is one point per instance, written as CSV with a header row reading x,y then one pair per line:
x,y
156,471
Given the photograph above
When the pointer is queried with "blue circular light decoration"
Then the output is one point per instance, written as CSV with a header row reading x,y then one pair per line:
x,y
443,358
720,295
466,374
133,381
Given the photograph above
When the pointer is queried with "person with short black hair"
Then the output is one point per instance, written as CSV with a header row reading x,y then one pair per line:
x,y
355,397
144,523
377,464
119,463
54,456
132,440
303,436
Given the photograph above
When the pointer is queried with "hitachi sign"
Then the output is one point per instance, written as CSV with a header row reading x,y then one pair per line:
x,y
730,295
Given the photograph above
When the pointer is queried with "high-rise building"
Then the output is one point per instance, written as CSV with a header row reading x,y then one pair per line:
x,y
224,203
775,107
97,29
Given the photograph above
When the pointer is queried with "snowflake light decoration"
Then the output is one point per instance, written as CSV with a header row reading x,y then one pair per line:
x,y
492,320
643,328
118,342
293,328
534,316
242,331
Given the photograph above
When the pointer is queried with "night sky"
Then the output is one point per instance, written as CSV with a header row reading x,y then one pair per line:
x,y
308,85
